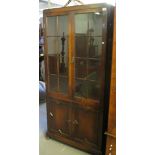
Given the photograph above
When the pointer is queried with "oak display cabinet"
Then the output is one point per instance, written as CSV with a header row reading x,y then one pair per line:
x,y
78,47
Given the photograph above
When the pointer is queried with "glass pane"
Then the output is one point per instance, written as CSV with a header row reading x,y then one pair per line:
x,y
62,25
80,68
93,69
81,88
91,24
53,83
81,23
57,25
63,45
95,24
52,43
57,45
95,47
81,39
81,45
51,26
93,89
90,33
52,64
104,20
63,66
63,85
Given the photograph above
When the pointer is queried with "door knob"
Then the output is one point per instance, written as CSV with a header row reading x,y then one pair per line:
x,y
51,114
60,131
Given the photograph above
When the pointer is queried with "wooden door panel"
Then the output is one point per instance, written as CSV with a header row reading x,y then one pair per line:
x,y
58,115
85,125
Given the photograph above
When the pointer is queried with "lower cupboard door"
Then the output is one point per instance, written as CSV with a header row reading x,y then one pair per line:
x,y
86,127
58,118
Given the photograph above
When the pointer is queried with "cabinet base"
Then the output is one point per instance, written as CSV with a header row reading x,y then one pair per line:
x,y
70,142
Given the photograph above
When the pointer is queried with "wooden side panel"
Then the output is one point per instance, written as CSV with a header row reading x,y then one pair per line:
x,y
111,132
111,146
112,106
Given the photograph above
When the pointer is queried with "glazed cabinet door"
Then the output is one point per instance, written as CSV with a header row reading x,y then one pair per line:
x,y
89,54
58,117
56,39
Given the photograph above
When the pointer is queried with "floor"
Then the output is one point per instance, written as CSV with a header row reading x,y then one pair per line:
x,y
49,146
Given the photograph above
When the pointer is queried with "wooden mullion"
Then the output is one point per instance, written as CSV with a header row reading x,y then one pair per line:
x,y
57,53
71,54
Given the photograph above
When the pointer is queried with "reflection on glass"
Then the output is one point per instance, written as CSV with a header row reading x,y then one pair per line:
x,y
95,47
81,88
80,68
93,69
63,57
63,85
51,26
53,83
62,25
55,45
52,63
87,89
88,46
81,23
52,43
57,25
63,66
81,45
93,89
95,23
90,24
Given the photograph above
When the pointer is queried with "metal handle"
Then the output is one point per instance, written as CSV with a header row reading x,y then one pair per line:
x,y
60,131
51,114
109,134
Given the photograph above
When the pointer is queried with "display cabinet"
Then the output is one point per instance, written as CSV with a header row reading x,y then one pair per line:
x,y
78,49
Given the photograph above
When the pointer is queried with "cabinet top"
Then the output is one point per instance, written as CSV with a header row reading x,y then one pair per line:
x,y
77,7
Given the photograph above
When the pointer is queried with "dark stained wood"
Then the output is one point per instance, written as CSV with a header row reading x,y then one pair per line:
x,y
85,124
112,105
85,147
111,130
77,8
58,115
79,121
111,146
71,54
